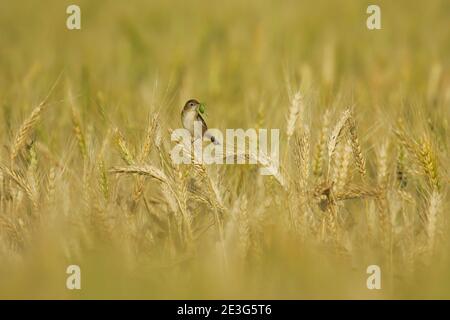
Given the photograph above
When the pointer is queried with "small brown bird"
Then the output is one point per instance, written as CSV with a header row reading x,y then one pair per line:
x,y
191,114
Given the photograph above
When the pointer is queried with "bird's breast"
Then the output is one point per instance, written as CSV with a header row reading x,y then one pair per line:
x,y
188,119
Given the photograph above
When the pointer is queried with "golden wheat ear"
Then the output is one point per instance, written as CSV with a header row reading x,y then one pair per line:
x,y
29,124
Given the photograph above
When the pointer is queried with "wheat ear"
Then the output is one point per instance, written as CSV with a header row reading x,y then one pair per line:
x,y
28,125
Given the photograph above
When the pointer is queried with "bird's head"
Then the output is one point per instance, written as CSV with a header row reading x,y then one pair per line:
x,y
194,105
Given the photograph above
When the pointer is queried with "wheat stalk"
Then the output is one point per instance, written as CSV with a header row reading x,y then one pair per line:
x,y
295,109
28,125
382,165
103,180
79,134
23,184
122,147
341,167
356,147
51,186
144,170
428,161
434,208
321,146
336,135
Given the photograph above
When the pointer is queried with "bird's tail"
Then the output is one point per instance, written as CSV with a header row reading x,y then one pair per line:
x,y
212,138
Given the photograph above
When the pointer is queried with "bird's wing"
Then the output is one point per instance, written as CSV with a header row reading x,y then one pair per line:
x,y
204,126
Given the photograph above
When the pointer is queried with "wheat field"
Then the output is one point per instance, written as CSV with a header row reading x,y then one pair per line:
x,y
85,171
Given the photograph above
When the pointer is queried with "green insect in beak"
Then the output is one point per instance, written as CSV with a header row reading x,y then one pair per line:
x,y
201,108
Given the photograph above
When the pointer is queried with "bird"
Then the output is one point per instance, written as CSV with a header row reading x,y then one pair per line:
x,y
190,114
